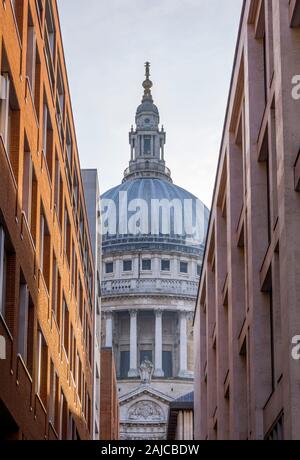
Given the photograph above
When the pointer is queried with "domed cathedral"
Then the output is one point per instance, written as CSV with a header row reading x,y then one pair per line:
x,y
153,241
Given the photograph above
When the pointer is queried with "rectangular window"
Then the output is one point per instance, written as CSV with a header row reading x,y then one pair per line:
x,y
58,301
167,364
42,368
9,116
45,250
58,190
67,236
18,7
147,145
74,269
4,107
54,286
23,319
47,139
63,417
84,325
165,265
65,328
79,377
88,412
90,348
83,395
72,431
27,182
85,258
60,103
72,352
54,398
80,301
90,282
40,10
37,84
146,264
7,279
3,268
124,364
198,270
29,193
109,267
75,191
69,155
127,265
50,40
34,201
31,55
42,237
184,268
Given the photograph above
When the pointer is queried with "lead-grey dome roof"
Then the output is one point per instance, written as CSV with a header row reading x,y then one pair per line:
x,y
149,189
147,107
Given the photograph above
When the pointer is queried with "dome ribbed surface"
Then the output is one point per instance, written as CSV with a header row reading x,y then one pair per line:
x,y
158,189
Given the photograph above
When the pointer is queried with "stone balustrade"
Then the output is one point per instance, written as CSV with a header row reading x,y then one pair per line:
x,y
149,286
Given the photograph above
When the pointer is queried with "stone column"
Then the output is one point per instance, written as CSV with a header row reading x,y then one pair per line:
x,y
162,147
109,329
183,345
133,372
131,150
158,344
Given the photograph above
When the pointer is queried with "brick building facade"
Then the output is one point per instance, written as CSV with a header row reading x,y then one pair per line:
x,y
246,381
110,417
46,263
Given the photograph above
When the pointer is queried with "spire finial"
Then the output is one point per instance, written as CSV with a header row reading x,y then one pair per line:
x,y
147,66
147,84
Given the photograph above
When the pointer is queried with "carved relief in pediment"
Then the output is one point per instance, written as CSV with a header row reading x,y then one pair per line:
x,y
147,411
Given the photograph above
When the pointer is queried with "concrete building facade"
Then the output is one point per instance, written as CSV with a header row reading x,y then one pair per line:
x,y
92,199
247,314
46,257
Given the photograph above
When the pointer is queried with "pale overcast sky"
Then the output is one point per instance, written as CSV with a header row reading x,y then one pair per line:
x,y
190,44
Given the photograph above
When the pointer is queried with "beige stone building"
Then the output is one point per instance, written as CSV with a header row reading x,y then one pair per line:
x,y
150,277
247,314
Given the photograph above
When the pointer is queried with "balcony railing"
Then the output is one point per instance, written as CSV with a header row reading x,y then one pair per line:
x,y
147,167
149,286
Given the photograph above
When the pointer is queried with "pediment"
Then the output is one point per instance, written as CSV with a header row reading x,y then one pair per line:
x,y
145,392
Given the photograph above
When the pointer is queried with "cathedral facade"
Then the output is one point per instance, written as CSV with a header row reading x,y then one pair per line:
x,y
153,241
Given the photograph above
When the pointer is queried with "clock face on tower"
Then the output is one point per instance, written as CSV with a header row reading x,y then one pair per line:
x,y
147,121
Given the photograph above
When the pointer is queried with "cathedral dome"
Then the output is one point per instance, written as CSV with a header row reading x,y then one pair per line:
x,y
147,211
179,223
153,236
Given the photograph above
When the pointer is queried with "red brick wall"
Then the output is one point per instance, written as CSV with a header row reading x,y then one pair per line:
x,y
17,383
109,405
